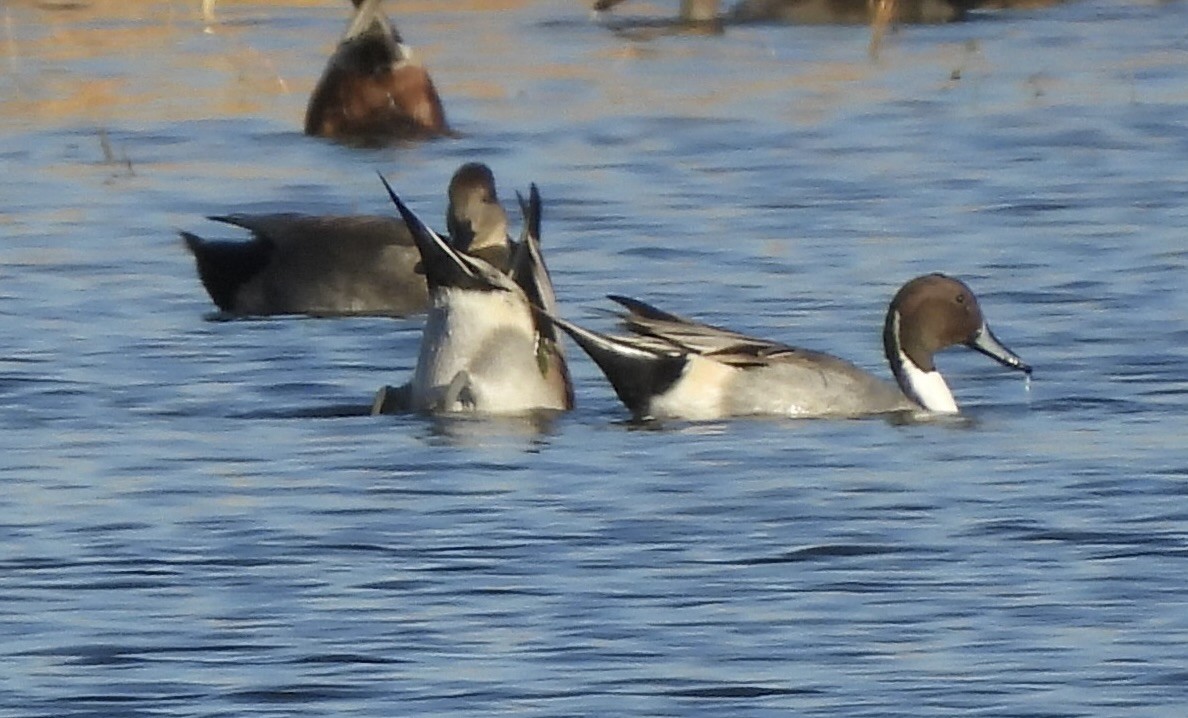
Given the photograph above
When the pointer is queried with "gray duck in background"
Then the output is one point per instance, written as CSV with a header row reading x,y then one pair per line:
x,y
342,265
833,12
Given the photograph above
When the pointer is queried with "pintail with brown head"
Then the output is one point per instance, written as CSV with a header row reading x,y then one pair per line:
x,y
674,367
928,314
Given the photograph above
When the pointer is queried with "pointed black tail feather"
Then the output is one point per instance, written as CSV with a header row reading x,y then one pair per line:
x,y
443,265
529,269
637,375
644,309
532,210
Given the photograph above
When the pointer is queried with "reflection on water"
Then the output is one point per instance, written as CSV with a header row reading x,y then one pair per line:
x,y
201,519
471,431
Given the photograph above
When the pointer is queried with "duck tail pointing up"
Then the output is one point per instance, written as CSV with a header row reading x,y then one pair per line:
x,y
368,15
444,266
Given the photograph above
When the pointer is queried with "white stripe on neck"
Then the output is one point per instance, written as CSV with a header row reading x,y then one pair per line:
x,y
928,387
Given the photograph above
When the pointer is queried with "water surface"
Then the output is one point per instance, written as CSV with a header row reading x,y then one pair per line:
x,y
198,520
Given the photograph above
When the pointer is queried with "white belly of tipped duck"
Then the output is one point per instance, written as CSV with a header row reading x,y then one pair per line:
x,y
479,353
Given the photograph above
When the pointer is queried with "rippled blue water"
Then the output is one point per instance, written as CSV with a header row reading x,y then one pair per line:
x,y
198,521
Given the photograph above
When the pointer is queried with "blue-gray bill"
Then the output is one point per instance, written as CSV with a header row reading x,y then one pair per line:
x,y
985,342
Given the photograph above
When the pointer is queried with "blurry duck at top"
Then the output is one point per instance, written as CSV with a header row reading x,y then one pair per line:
x,y
374,90
484,350
343,265
832,12
672,367
699,17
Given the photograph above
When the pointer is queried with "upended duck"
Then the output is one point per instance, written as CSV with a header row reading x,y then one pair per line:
x,y
484,350
343,265
374,90
673,367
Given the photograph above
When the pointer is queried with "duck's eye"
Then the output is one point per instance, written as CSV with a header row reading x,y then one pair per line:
x,y
961,299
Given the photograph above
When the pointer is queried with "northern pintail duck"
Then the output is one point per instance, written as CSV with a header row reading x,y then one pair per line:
x,y
815,12
342,265
484,350
374,89
672,367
